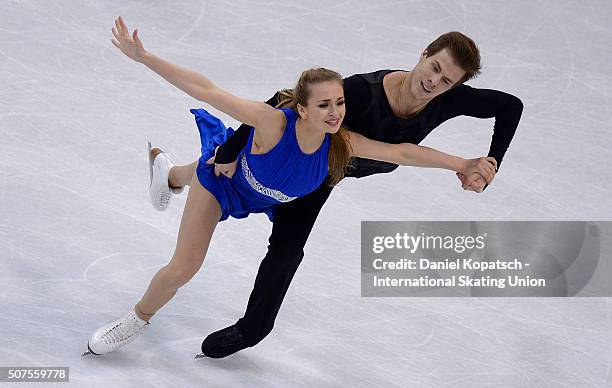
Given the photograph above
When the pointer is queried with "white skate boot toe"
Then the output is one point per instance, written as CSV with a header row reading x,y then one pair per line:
x,y
116,334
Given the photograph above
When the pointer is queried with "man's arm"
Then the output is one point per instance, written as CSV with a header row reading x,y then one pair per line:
x,y
228,151
488,103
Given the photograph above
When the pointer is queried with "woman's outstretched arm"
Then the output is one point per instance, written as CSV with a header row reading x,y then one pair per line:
x,y
198,86
408,154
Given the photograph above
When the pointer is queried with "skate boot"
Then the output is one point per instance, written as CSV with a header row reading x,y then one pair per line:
x,y
116,334
160,191
222,343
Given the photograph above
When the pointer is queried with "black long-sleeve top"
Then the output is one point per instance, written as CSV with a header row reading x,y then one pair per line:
x,y
368,112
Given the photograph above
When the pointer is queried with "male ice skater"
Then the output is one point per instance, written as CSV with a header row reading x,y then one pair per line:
x,y
386,105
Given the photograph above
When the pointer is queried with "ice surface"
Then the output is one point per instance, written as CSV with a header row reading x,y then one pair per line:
x,y
79,240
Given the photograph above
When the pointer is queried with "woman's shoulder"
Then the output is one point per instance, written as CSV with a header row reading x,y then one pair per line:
x,y
268,132
288,113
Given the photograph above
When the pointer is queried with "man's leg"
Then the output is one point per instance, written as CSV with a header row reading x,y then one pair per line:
x,y
292,225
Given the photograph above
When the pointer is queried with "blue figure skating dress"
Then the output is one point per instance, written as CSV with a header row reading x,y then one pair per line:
x,y
261,181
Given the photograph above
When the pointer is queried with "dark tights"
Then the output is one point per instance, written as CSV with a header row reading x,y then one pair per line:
x,y
293,222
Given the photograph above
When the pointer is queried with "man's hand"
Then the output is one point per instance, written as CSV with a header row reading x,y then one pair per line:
x,y
226,169
485,167
477,184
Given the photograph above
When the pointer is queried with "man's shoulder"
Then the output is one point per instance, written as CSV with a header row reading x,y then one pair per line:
x,y
468,94
460,89
374,76
458,94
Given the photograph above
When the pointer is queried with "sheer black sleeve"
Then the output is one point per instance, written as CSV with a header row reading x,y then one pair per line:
x,y
488,103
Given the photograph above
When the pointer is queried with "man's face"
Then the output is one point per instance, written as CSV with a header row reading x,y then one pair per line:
x,y
434,75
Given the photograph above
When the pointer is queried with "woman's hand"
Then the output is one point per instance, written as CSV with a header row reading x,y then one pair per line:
x,y
486,167
129,45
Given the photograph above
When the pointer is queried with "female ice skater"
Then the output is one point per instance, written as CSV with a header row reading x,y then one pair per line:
x,y
290,152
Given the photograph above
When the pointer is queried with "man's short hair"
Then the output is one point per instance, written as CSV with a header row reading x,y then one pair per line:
x,y
463,50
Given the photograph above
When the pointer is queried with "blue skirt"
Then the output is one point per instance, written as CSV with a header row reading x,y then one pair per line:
x,y
233,200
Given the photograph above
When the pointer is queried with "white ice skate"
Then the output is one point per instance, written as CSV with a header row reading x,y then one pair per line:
x,y
160,191
116,334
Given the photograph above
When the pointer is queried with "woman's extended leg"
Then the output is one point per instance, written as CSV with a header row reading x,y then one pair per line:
x,y
200,217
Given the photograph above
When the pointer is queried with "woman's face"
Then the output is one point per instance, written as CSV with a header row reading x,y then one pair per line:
x,y
434,75
325,106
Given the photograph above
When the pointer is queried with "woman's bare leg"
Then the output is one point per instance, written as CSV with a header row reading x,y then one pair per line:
x,y
200,217
181,175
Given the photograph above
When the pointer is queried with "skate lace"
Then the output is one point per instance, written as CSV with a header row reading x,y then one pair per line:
x,y
164,198
165,193
120,333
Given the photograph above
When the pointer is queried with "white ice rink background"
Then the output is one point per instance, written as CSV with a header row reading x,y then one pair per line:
x,y
79,240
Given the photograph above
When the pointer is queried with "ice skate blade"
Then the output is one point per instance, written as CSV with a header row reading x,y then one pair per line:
x,y
201,355
88,352
150,165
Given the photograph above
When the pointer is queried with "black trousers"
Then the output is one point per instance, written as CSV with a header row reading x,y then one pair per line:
x,y
293,222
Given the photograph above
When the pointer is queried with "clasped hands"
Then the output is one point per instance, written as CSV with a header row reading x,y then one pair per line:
x,y
477,173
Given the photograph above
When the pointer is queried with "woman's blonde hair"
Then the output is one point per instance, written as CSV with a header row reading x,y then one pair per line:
x,y
339,154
